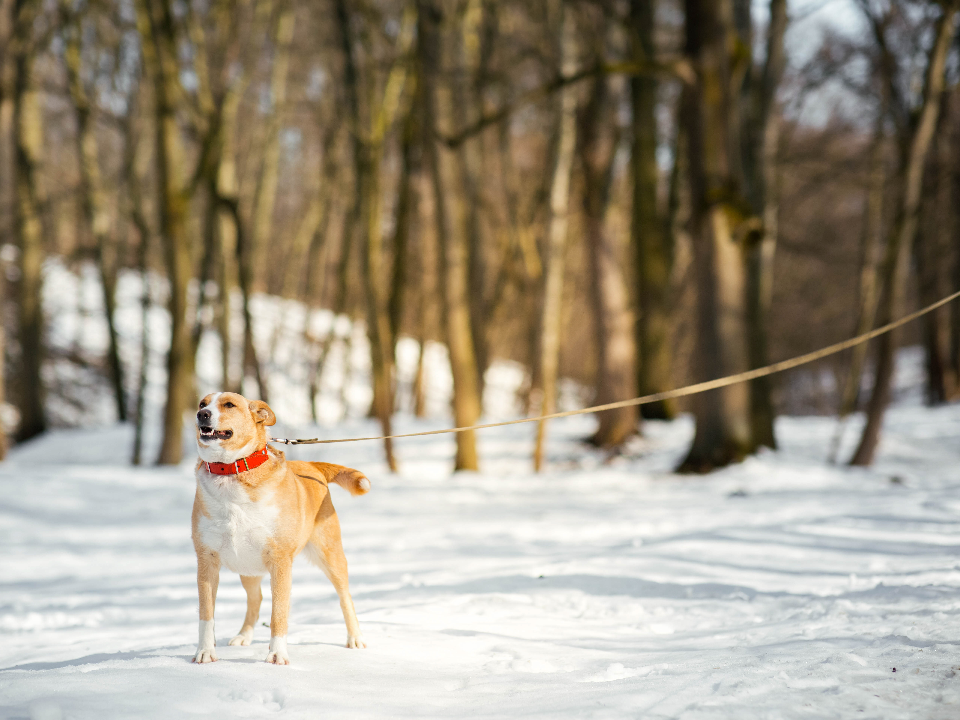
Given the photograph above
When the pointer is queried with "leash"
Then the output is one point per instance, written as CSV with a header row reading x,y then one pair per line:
x,y
668,394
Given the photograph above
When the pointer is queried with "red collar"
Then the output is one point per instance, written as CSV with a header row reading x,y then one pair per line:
x,y
250,462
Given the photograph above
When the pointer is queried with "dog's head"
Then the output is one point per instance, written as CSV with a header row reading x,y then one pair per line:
x,y
230,427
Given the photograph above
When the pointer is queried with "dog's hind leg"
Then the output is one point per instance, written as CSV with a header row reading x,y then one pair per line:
x,y
254,597
326,550
208,577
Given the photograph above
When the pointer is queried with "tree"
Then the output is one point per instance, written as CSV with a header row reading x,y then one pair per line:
x,y
551,317
94,196
156,25
368,136
452,229
650,238
613,318
29,230
723,433
761,129
916,135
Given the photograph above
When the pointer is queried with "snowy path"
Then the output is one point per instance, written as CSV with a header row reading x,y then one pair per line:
x,y
781,588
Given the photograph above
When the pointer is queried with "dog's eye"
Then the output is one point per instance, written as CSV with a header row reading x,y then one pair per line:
x,y
229,404
201,406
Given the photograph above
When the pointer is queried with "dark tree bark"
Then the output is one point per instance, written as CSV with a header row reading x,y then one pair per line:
x,y
94,201
914,150
367,138
652,245
613,319
452,231
711,123
157,28
761,133
28,147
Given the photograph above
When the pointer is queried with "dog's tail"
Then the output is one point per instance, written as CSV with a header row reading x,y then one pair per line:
x,y
353,481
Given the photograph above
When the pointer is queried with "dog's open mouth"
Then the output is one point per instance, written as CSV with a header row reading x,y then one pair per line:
x,y
208,433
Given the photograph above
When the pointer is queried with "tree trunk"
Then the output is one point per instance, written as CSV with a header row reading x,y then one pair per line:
x,y
652,246
157,29
28,148
870,254
467,107
303,262
552,316
251,246
266,193
760,168
3,375
136,151
367,159
145,302
723,433
452,234
954,202
227,234
94,204
406,202
378,321
613,319
7,23
935,237
900,247
935,391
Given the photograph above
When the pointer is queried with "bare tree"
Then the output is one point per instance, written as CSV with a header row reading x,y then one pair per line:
x,y
871,250
368,138
915,142
652,243
551,317
7,23
28,152
761,129
599,142
452,228
156,24
723,433
93,195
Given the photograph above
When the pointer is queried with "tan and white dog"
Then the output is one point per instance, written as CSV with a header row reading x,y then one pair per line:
x,y
254,512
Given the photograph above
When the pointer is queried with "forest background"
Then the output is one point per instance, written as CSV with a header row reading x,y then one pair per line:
x,y
632,195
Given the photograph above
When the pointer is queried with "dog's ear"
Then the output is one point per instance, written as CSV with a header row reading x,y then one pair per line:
x,y
262,412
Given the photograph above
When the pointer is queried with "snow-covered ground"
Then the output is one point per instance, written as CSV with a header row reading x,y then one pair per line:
x,y
784,587
780,588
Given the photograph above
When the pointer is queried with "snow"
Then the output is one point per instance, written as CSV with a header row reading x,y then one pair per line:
x,y
779,588
606,587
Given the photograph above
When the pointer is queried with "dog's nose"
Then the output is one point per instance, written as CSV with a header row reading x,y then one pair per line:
x,y
204,414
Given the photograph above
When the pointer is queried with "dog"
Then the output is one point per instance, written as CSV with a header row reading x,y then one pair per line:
x,y
254,511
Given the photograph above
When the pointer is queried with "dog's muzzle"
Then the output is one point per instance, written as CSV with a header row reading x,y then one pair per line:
x,y
208,433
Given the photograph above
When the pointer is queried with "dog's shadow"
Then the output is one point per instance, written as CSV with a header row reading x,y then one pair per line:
x,y
318,642
258,645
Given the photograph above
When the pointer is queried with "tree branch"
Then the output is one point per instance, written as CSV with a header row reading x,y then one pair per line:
x,y
679,69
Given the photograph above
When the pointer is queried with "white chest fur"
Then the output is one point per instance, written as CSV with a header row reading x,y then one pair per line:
x,y
235,527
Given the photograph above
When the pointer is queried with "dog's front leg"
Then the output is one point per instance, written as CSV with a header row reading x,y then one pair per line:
x,y
280,589
208,577
251,583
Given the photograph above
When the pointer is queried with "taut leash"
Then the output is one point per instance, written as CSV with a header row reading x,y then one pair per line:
x,y
668,394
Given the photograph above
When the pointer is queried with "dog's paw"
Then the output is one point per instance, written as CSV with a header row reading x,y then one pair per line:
x,y
356,642
278,651
277,658
205,655
241,639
